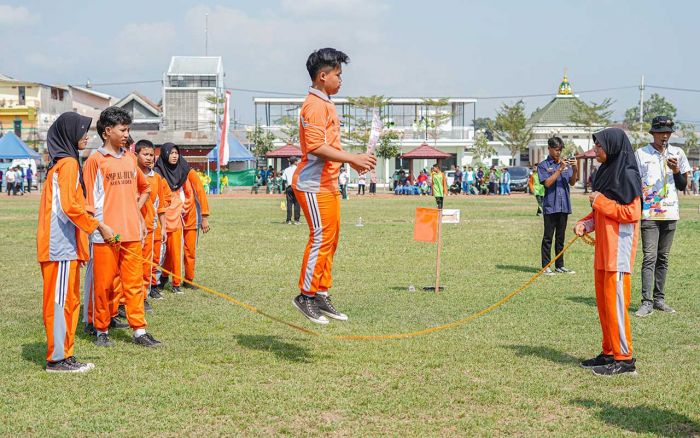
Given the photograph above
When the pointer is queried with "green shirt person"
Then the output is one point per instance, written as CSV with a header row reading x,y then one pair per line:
x,y
439,183
537,189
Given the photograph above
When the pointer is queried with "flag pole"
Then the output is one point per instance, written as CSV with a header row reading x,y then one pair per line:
x,y
439,250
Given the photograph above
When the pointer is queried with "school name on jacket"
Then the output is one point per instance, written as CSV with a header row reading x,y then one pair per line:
x,y
120,178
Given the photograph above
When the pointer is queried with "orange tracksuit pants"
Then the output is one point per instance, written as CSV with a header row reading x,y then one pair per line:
x,y
61,307
147,253
322,212
110,263
613,291
173,256
157,248
190,253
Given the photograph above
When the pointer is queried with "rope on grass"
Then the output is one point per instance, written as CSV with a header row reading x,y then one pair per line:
x,y
587,239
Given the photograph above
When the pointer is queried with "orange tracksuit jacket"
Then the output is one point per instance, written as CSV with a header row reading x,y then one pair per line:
x,y
156,205
616,227
62,243
196,206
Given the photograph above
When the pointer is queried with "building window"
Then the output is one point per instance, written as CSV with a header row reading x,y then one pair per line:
x,y
22,95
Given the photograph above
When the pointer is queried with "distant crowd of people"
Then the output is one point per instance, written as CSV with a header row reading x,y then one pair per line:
x,y
466,181
17,180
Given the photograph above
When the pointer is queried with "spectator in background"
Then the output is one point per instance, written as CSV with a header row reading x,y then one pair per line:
x,y
343,180
505,182
30,176
10,177
373,182
439,183
467,180
537,189
1,174
361,180
493,181
459,176
696,180
291,198
556,175
263,176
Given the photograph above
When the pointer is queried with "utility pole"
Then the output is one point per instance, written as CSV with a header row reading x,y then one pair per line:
x,y
641,105
206,34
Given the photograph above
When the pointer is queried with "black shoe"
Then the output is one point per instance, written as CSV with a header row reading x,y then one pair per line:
x,y
186,285
118,323
662,306
163,281
121,311
89,330
147,307
146,340
155,293
307,306
600,360
617,367
67,366
177,290
326,308
103,340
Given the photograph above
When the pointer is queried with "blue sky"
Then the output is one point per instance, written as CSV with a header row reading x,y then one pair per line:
x,y
397,48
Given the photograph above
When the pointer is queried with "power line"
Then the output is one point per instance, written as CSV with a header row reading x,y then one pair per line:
x,y
688,90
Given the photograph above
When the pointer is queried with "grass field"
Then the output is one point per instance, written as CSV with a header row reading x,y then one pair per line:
x,y
224,371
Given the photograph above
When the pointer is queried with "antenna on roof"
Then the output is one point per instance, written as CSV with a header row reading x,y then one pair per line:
x,y
88,84
206,34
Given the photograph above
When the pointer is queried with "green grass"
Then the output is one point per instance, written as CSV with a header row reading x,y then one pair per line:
x,y
225,371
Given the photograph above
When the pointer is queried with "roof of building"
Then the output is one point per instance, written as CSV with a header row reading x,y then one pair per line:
x,y
143,100
286,151
6,78
195,65
425,151
559,110
93,92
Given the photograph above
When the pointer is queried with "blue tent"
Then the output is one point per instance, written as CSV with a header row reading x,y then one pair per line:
x,y
236,152
13,148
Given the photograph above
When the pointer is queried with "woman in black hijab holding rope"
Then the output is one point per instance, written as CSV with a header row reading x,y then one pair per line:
x,y
615,218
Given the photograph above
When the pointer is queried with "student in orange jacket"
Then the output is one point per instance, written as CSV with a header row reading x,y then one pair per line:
x,y
153,212
187,213
116,191
62,239
615,219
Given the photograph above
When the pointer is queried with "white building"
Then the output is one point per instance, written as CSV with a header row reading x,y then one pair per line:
x,y
409,116
187,87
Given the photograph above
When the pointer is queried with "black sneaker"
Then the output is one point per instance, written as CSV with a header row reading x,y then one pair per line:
x,y
307,306
118,323
323,302
617,367
177,290
147,307
89,330
644,310
64,366
103,340
121,311
600,360
155,293
163,281
186,285
81,366
146,340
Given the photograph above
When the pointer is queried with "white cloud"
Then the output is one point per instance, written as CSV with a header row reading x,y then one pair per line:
x,y
16,16
145,46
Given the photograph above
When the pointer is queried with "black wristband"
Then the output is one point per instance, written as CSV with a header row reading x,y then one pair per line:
x,y
681,181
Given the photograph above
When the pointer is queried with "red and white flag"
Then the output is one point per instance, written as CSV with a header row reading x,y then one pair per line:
x,y
223,139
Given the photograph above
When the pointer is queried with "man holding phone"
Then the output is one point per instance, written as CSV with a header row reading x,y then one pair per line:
x,y
556,175
665,171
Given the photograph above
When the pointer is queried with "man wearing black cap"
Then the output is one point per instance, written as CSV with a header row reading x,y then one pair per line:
x,y
664,170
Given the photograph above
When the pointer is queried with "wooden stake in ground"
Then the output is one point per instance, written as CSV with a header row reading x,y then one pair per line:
x,y
439,250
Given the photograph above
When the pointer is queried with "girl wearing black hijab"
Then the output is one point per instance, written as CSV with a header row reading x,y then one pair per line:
x,y
62,244
188,212
616,213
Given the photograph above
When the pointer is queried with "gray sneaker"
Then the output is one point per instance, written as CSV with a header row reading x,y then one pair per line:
x,y
646,309
662,306
564,270
549,272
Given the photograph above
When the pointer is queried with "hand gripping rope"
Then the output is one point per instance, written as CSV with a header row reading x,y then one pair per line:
x,y
586,239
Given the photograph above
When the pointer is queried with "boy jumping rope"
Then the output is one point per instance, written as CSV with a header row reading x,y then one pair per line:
x,y
315,183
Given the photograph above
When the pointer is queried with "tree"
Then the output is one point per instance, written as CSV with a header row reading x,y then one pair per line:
x,y
359,126
261,139
510,127
691,138
656,105
483,123
482,149
290,131
216,106
433,120
591,116
639,135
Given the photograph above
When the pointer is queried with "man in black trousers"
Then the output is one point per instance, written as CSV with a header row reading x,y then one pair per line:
x,y
287,176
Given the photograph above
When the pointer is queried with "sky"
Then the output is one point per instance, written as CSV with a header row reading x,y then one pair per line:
x,y
442,48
